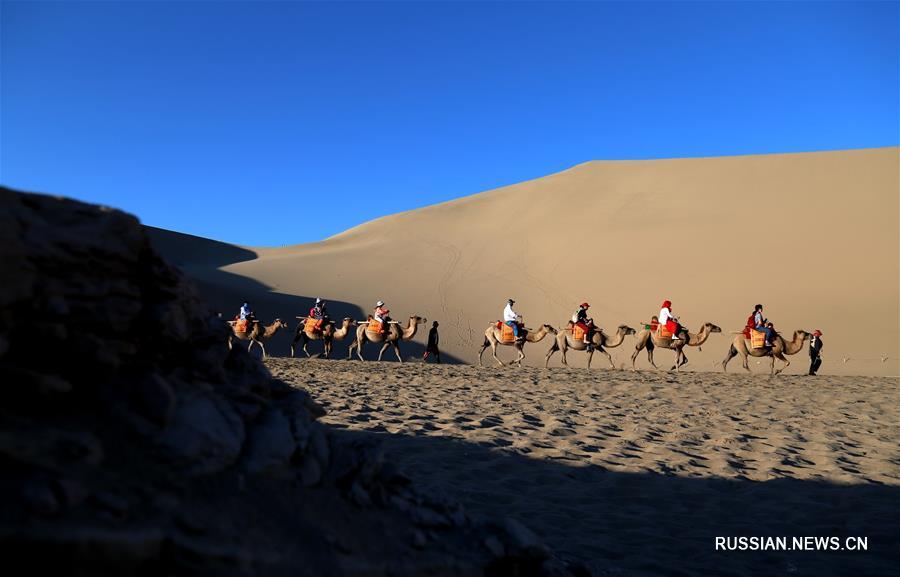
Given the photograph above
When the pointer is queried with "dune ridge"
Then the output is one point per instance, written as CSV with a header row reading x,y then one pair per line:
x,y
813,236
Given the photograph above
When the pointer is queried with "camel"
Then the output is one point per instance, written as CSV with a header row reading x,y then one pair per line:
x,y
392,338
649,339
329,334
492,339
600,340
778,350
258,334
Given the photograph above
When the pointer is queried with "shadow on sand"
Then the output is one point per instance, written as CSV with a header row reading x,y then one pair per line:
x,y
654,524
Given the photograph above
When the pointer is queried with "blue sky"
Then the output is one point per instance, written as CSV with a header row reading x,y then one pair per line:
x,y
272,123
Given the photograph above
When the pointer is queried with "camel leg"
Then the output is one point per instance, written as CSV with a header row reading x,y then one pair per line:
x,y
608,358
481,352
521,356
552,350
263,347
494,352
745,358
397,351
229,342
650,356
359,346
732,352
305,350
637,350
563,351
383,348
781,357
327,349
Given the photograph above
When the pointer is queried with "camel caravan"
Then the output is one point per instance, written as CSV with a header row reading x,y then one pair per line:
x,y
758,338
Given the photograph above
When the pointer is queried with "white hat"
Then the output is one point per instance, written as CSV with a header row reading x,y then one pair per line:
x,y
379,304
318,300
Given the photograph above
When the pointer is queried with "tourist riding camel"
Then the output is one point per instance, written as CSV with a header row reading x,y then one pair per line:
x,y
668,320
654,337
565,340
381,315
512,319
319,312
581,320
307,331
499,333
391,335
256,333
757,322
742,345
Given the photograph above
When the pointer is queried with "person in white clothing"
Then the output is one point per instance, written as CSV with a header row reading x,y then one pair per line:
x,y
667,319
511,317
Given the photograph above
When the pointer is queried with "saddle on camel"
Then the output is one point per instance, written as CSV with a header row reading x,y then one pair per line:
x,y
508,334
757,338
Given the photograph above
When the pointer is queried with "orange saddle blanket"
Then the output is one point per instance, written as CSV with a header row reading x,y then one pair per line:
x,y
311,326
507,334
757,339
241,325
577,333
374,326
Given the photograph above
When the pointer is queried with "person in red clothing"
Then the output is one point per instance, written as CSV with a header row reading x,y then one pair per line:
x,y
582,321
320,313
381,315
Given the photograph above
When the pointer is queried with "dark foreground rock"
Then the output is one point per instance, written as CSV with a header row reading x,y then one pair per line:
x,y
132,441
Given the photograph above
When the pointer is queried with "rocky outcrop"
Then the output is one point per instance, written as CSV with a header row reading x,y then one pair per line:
x,y
132,441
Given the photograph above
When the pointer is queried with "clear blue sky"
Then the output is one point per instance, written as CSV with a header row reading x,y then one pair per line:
x,y
271,123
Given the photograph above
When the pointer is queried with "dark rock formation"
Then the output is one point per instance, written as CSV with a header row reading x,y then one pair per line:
x,y
132,441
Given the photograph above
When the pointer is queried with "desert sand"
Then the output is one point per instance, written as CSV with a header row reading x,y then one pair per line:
x,y
637,473
813,236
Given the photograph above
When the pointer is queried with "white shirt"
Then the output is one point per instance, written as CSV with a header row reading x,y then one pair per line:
x,y
509,314
245,312
664,315
758,318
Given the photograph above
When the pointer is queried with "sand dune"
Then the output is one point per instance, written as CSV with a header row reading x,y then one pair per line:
x,y
812,236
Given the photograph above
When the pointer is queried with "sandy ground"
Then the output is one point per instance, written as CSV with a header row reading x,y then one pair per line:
x,y
814,237
639,472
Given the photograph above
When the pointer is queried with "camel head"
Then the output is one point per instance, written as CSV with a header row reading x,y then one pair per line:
x,y
626,330
712,328
802,334
417,320
549,329
279,324
350,322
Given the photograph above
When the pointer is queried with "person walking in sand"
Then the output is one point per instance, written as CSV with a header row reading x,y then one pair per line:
x,y
432,346
815,352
